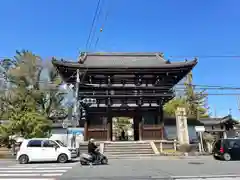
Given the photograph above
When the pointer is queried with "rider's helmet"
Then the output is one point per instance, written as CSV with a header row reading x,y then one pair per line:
x,y
91,140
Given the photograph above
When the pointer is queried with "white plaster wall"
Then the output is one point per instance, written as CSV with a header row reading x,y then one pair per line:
x,y
61,134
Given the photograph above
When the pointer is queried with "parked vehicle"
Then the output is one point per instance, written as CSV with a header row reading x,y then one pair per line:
x,y
42,149
87,159
74,151
227,149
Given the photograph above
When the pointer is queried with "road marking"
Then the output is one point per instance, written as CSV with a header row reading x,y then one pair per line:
x,y
209,177
30,175
34,171
50,175
37,168
35,165
18,175
227,178
27,179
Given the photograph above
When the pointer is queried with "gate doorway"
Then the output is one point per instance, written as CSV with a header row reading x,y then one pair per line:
x,y
125,129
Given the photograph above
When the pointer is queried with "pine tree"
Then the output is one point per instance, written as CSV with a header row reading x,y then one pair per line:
x,y
195,101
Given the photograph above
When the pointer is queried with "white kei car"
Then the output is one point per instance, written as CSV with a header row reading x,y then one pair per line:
x,y
42,150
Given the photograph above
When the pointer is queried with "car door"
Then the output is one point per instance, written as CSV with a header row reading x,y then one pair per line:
x,y
234,149
34,150
50,150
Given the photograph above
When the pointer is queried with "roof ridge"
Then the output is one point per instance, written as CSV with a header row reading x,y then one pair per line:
x,y
124,53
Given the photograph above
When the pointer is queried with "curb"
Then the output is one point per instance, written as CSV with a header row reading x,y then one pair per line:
x,y
190,155
205,177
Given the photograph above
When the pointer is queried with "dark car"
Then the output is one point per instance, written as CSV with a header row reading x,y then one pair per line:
x,y
227,149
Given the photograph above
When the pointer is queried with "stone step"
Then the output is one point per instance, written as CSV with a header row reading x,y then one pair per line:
x,y
150,151
127,154
130,156
127,144
127,149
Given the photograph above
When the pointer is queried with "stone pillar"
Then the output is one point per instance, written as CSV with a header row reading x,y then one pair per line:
x,y
182,127
109,127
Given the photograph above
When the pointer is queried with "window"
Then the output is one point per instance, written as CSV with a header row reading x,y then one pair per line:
x,y
234,143
50,144
35,143
61,143
218,144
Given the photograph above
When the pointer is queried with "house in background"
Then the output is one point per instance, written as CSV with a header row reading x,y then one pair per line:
x,y
221,127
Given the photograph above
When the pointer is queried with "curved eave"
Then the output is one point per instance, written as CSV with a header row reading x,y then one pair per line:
x,y
76,65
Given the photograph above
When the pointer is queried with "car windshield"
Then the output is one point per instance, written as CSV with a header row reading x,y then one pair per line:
x,y
61,143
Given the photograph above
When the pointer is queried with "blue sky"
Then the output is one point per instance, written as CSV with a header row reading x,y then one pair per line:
x,y
177,28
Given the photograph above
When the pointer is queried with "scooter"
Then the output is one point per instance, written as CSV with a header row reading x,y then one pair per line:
x,y
87,159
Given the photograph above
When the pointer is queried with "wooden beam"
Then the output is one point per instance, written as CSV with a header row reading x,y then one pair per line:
x,y
109,126
86,130
163,95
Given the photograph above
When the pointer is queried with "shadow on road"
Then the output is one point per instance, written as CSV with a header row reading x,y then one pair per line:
x,y
195,163
50,162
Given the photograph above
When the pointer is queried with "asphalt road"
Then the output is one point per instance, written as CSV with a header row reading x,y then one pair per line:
x,y
160,168
135,169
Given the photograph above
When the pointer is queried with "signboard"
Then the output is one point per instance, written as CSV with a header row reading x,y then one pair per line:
x,y
76,131
200,128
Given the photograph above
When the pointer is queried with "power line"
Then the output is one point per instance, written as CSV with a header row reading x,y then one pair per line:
x,y
156,94
97,18
103,25
171,56
92,25
177,86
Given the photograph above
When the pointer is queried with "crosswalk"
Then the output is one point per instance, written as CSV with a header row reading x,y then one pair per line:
x,y
34,171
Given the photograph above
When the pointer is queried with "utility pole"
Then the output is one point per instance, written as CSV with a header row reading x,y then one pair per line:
x,y
76,104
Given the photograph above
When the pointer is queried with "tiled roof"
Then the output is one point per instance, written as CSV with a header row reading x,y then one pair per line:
x,y
124,60
215,121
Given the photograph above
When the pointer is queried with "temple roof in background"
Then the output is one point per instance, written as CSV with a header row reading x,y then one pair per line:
x,y
215,121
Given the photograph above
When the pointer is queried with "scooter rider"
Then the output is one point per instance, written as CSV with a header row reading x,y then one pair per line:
x,y
92,149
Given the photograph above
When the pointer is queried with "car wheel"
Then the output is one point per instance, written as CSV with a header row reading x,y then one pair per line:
x,y
23,159
226,157
62,158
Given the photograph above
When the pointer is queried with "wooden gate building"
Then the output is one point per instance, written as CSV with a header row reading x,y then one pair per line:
x,y
136,85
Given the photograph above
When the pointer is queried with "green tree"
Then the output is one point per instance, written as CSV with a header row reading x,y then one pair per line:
x,y
24,117
193,100
171,107
31,102
26,69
